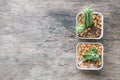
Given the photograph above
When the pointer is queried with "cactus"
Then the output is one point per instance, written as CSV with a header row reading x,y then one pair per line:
x,y
91,55
87,17
80,28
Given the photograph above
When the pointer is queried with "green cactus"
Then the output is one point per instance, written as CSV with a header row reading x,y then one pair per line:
x,y
91,55
87,16
79,28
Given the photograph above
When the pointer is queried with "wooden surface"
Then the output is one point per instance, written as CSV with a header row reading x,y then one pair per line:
x,y
37,40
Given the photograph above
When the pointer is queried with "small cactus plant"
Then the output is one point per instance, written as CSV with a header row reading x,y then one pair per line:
x,y
80,28
91,55
87,16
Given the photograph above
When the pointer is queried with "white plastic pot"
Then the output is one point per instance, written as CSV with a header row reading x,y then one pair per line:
x,y
102,57
101,26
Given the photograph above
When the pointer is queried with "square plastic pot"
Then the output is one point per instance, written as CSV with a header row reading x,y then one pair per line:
x,y
100,23
102,57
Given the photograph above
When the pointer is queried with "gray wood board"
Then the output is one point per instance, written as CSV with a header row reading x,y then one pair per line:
x,y
37,40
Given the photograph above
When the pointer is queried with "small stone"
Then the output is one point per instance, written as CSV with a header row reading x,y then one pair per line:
x,y
94,16
85,31
95,24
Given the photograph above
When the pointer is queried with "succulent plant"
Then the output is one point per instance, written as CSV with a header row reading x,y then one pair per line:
x,y
91,55
87,17
80,28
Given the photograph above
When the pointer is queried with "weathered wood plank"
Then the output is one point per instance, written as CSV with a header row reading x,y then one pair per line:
x,y
37,40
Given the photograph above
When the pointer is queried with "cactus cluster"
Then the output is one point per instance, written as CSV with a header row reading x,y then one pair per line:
x,y
87,17
91,55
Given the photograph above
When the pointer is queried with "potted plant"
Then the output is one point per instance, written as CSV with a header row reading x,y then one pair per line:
x,y
89,24
89,56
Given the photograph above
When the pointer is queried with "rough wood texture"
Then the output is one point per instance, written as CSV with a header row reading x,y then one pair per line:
x,y
37,40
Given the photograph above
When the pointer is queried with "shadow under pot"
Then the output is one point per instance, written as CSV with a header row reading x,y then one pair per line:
x,y
89,56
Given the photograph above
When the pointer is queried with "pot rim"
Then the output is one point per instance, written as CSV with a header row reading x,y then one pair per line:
x,y
101,25
101,57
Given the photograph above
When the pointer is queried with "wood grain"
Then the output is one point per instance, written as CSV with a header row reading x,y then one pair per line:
x,y
37,40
